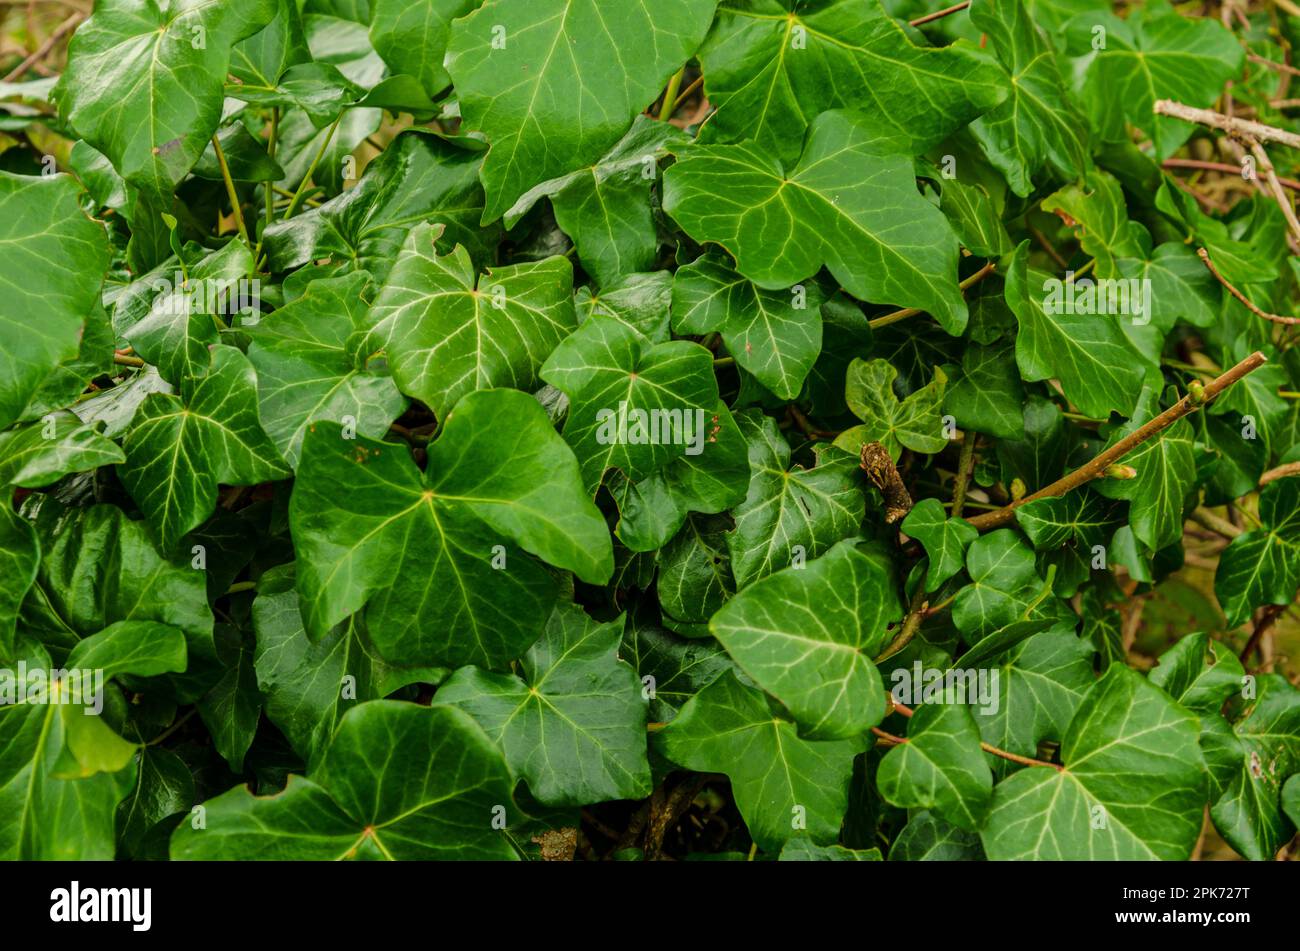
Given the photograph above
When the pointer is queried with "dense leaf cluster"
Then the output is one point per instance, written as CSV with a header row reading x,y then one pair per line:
x,y
627,428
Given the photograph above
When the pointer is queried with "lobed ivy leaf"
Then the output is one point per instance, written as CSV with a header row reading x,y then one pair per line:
x,y
172,55
1265,747
43,231
500,484
448,332
783,221
181,447
945,540
914,422
940,767
544,125
781,783
398,781
605,207
312,367
772,66
790,514
1132,783
807,635
634,405
774,335
573,725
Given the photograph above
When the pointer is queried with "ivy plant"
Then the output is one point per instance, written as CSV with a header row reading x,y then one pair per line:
x,y
629,429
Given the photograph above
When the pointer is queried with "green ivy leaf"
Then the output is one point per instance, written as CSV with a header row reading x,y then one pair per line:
x,y
775,335
1086,352
306,684
311,366
941,766
144,82
808,634
1132,785
447,332
945,540
1040,685
398,781
1267,751
783,784
573,725
43,231
1199,673
412,37
915,421
880,239
1166,473
772,66
633,405
605,207
1262,566
790,514
363,517
544,125
44,816
180,448
1156,54
1070,531
1039,125
418,178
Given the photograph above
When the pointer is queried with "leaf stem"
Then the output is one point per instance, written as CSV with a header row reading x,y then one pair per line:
x,y
234,195
670,96
1276,318
965,463
956,8
895,316
123,360
1097,466
916,613
302,185
986,747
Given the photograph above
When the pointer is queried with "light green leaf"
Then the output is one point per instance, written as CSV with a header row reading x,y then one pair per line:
x,y
573,723
1132,786
43,816
783,785
915,421
775,335
807,635
447,332
542,124
880,239
180,448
